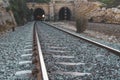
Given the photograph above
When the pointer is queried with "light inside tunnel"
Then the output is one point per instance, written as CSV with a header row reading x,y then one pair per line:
x,y
43,15
39,14
64,14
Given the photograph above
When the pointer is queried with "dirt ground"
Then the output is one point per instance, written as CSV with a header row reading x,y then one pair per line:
x,y
108,32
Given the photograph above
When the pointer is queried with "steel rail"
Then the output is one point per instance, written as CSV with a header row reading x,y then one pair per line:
x,y
115,51
41,59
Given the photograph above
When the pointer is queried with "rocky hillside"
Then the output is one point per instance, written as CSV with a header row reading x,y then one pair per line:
x,y
97,13
6,17
107,15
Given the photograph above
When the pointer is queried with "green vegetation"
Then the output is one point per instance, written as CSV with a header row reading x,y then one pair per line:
x,y
81,15
39,1
111,3
6,26
20,10
3,28
43,1
81,24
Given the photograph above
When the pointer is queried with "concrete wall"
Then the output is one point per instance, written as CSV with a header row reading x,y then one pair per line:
x,y
68,5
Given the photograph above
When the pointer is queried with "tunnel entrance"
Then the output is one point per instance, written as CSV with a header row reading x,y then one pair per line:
x,y
64,14
39,14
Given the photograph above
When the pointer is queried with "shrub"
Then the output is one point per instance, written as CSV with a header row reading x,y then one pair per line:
x,y
7,26
2,28
7,9
81,24
9,22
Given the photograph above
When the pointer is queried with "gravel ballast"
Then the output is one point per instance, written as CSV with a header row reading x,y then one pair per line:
x,y
12,46
107,34
69,58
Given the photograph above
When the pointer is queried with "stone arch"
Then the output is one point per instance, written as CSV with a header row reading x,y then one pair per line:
x,y
39,14
64,13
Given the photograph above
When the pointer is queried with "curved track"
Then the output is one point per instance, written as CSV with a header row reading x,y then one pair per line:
x,y
115,51
69,56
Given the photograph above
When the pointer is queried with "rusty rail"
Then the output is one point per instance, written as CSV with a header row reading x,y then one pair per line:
x,y
40,71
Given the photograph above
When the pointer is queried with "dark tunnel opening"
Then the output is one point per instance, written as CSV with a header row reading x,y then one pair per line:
x,y
39,14
64,14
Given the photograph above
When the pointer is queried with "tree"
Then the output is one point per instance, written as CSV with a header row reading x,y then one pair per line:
x,y
20,11
82,10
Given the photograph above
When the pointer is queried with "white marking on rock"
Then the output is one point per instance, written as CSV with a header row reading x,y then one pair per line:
x,y
72,73
25,62
58,51
28,46
54,47
28,43
60,56
26,50
25,72
26,55
68,63
99,55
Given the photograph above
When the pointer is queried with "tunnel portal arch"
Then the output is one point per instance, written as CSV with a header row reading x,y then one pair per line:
x,y
64,13
39,14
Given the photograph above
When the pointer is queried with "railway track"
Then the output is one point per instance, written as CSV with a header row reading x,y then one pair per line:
x,y
58,54
40,71
115,51
31,63
71,57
